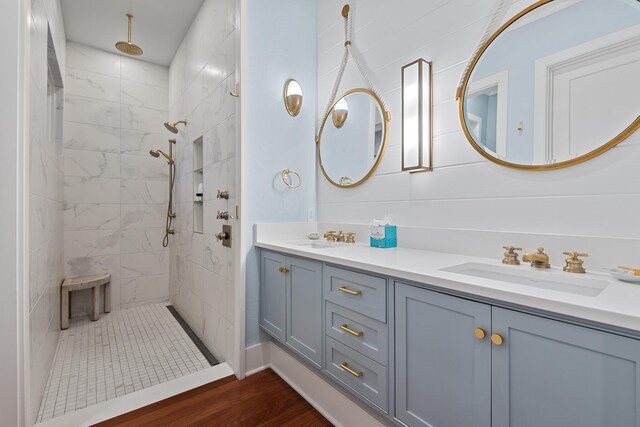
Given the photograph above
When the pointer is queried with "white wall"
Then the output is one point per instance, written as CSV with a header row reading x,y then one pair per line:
x,y
280,44
46,56
202,74
467,204
13,36
115,193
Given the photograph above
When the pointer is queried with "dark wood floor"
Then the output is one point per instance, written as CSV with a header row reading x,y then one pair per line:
x,y
263,399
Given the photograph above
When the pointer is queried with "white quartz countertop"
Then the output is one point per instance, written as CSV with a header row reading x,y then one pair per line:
x,y
617,305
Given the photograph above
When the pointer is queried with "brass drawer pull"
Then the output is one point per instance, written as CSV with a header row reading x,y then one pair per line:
x,y
479,333
283,270
349,291
346,328
345,366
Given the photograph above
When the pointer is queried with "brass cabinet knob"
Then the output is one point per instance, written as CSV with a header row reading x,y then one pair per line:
x,y
283,270
497,339
480,333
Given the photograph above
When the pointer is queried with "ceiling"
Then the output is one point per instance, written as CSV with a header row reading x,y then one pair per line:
x,y
158,25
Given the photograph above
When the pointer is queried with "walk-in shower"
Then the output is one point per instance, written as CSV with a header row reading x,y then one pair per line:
x,y
172,177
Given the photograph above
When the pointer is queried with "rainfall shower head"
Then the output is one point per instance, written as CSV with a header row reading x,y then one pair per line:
x,y
128,47
173,127
156,153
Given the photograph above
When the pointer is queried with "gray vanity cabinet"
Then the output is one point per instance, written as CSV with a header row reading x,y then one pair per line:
x,y
291,302
273,314
304,308
554,374
443,372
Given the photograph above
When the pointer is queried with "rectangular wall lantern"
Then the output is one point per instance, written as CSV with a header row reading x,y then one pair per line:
x,y
416,117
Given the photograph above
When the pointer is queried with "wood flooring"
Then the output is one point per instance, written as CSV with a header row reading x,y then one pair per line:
x,y
263,399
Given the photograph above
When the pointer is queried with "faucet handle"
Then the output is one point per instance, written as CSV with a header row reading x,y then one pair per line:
x,y
574,264
511,257
351,237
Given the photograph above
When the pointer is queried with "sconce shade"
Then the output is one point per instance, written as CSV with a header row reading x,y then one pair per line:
x,y
416,117
339,113
293,97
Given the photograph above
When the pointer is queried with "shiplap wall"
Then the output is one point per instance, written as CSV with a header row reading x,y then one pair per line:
x,y
467,204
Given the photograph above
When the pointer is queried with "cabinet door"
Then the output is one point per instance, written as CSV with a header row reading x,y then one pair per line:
x,y
553,374
443,376
272,294
304,308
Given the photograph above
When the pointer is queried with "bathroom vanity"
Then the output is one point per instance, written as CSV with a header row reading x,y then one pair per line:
x,y
432,339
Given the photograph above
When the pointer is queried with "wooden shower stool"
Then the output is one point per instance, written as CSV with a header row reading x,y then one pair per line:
x,y
86,282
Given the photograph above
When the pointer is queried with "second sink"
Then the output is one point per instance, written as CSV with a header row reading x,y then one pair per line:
x,y
548,280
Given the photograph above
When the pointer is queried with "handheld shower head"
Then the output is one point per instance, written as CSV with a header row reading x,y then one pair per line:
x,y
156,154
173,127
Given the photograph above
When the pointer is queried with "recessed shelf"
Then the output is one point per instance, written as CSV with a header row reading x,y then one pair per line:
x,y
198,186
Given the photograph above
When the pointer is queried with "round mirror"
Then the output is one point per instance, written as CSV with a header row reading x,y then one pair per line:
x,y
352,138
556,85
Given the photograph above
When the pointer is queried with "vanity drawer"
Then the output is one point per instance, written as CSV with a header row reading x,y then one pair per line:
x,y
359,292
359,373
361,333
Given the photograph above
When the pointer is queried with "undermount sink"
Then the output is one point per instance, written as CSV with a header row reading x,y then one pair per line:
x,y
323,245
542,279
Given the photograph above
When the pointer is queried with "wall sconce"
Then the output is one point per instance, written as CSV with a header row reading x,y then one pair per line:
x,y
416,117
339,113
293,97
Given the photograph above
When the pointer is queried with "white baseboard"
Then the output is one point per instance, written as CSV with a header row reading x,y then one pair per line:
x,y
325,398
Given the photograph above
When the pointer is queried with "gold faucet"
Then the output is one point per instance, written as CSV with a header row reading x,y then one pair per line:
x,y
351,237
511,257
537,260
574,264
340,237
331,236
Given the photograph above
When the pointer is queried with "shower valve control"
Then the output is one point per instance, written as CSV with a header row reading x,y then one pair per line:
x,y
223,215
223,195
224,236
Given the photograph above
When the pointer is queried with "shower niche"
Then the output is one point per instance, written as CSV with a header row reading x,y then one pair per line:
x,y
198,187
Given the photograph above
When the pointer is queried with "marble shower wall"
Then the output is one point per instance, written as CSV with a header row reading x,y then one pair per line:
x,y
115,193
202,74
46,166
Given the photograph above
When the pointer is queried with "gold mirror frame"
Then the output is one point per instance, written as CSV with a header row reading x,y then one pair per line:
x,y
635,125
386,117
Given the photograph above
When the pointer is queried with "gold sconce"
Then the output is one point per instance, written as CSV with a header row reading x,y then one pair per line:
x,y
416,117
339,113
293,97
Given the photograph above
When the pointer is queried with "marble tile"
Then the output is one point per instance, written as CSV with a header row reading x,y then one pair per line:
x,y
145,288
89,59
220,141
145,72
81,109
91,164
136,142
144,95
143,216
84,266
215,332
81,136
220,105
144,119
92,85
144,167
214,292
87,243
143,191
91,216
144,264
137,240
91,190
